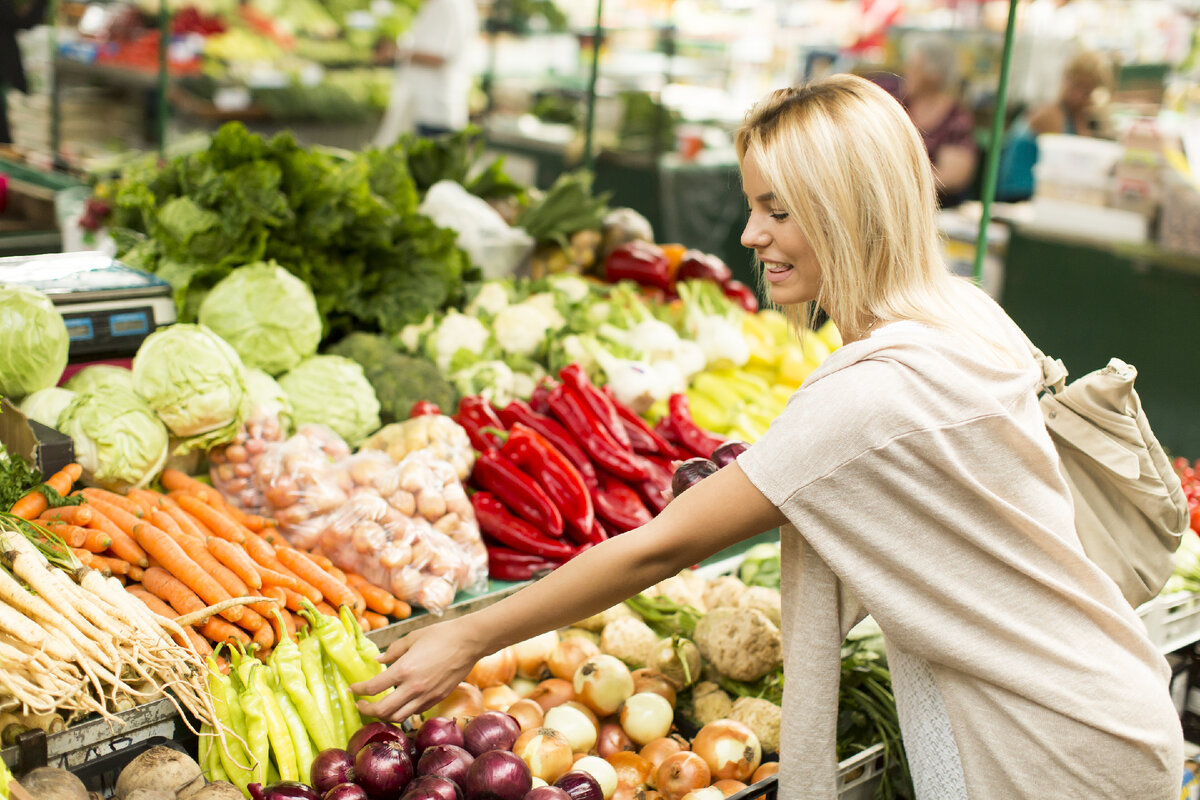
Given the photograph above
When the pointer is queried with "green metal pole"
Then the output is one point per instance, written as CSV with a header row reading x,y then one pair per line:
x,y
164,40
992,166
589,156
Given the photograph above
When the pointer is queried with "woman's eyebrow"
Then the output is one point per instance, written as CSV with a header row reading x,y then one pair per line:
x,y
765,197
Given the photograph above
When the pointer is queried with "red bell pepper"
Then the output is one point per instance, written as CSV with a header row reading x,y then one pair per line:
x,y
475,415
554,433
741,294
561,482
506,564
495,473
694,438
640,262
593,437
597,402
619,505
424,408
497,521
698,265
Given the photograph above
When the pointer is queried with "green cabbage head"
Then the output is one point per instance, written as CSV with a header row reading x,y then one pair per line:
x,y
97,376
33,341
46,405
196,384
333,391
119,441
267,314
267,399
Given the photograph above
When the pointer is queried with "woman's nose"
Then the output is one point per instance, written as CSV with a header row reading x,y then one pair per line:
x,y
754,236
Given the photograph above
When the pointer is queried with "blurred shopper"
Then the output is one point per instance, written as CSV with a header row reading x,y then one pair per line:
x,y
1077,111
931,97
434,72
14,16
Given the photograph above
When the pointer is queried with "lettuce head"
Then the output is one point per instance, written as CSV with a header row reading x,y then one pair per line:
x,y
33,339
267,314
97,376
196,384
46,405
332,390
119,441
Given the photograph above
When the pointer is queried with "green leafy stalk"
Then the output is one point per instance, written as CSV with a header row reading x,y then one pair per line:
x,y
664,616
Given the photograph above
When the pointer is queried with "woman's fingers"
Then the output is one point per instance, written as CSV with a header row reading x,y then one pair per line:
x,y
424,667
395,650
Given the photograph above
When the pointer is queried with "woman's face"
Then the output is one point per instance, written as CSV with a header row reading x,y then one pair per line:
x,y
790,267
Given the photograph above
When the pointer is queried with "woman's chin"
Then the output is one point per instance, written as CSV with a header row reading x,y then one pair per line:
x,y
788,294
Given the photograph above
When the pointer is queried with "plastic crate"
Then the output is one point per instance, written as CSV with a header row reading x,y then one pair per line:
x,y
1172,621
857,778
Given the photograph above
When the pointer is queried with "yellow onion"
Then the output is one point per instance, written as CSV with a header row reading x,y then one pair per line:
x,y
552,692
646,717
546,751
574,724
729,748
603,683
527,713
533,653
463,704
566,657
499,698
682,773
494,670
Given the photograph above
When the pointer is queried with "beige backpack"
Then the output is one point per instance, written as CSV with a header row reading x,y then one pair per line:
x,y
1130,511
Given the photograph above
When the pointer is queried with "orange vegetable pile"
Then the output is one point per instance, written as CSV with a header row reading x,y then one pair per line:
x,y
187,550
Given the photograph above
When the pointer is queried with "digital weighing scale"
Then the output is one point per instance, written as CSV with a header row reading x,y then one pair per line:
x,y
109,308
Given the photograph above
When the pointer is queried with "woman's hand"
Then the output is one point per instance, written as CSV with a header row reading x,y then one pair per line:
x,y
426,665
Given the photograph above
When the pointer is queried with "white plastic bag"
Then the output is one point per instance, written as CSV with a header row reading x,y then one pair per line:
x,y
495,247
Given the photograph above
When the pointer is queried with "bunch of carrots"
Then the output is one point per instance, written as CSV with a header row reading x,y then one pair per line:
x,y
187,550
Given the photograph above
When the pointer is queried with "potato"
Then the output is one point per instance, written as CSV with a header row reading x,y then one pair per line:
x,y
162,769
52,783
218,790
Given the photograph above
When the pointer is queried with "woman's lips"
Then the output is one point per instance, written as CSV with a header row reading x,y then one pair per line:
x,y
776,272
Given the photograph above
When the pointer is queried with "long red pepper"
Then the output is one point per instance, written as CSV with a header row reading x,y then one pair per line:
x,y
558,478
619,505
645,440
655,492
540,400
496,474
497,521
475,415
596,402
506,564
593,537
593,437
691,435
554,433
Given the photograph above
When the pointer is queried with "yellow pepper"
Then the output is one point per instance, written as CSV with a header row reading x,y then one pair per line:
x,y
748,427
794,367
776,323
781,395
706,413
748,386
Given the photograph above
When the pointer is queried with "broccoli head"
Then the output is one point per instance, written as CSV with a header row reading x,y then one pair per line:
x,y
399,380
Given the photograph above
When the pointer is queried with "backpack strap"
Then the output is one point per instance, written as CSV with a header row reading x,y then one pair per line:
x,y
1054,372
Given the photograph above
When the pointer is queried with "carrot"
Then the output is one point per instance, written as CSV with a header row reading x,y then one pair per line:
x,y
278,594
79,515
253,522
322,560
273,537
117,566
263,553
135,573
96,541
166,586
113,499
186,522
326,609
307,570
378,600
34,503
156,606
214,520
375,621
218,630
402,610
360,602
147,500
165,523
235,558
73,535
123,545
273,578
170,555
176,481
264,637
90,559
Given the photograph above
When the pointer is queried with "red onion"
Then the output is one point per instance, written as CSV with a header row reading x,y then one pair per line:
x,y
373,732
256,791
446,760
289,790
346,791
329,768
689,473
727,453
432,787
547,793
383,768
491,730
499,775
439,730
579,785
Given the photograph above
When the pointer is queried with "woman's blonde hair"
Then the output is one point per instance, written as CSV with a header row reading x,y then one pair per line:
x,y
844,160
1091,68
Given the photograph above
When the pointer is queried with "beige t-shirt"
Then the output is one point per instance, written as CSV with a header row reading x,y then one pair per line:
x,y
922,488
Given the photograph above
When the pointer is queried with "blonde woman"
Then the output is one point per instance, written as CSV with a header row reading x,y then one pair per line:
x,y
913,479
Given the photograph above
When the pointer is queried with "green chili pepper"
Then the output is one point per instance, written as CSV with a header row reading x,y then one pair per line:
x,y
205,745
314,676
367,650
337,644
232,753
258,741
272,774
280,736
341,694
289,671
299,734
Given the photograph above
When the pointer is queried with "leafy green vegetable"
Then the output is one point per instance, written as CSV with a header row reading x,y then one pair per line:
x,y
760,566
665,616
97,376
568,206
33,339
267,314
119,440
456,158
345,224
45,405
867,715
399,381
333,391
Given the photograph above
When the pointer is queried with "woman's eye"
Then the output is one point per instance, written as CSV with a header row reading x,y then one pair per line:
x,y
779,216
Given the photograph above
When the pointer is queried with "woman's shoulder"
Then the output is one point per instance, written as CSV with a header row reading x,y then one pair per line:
x,y
1046,119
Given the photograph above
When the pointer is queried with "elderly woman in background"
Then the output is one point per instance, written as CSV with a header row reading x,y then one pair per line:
x,y
931,97
1076,110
